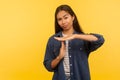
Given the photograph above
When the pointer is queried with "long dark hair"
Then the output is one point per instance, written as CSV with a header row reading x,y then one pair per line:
x,y
68,9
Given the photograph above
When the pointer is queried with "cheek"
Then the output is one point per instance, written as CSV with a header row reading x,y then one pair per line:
x,y
72,22
59,22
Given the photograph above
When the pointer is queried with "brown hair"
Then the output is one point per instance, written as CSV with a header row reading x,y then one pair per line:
x,y
68,9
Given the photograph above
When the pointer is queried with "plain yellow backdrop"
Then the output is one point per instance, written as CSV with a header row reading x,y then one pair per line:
x,y
26,25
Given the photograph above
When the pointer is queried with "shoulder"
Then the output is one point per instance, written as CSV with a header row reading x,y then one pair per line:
x,y
51,38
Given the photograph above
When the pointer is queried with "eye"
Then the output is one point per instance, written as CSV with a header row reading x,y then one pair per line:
x,y
59,19
65,17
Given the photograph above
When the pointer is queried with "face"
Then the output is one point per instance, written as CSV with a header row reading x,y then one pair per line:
x,y
65,20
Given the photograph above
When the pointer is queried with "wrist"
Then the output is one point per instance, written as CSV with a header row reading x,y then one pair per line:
x,y
76,36
58,57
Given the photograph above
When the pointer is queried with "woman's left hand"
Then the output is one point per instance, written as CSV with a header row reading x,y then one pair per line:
x,y
65,38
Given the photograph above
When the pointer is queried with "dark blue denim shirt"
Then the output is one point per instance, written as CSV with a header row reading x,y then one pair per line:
x,y
79,51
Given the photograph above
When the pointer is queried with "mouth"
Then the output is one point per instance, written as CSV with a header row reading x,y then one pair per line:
x,y
64,27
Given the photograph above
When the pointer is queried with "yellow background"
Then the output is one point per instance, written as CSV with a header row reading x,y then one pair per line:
x,y
26,25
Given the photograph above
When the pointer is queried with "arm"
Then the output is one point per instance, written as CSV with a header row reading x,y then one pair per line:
x,y
50,62
88,37
56,61
92,41
93,45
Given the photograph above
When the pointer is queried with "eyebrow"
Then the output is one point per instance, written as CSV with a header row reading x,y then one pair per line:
x,y
65,15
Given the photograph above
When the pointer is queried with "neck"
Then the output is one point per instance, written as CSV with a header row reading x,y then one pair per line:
x,y
68,32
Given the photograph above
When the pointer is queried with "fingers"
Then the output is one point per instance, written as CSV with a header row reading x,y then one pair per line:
x,y
62,50
59,38
62,45
65,38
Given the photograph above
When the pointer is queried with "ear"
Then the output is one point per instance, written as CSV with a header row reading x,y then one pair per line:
x,y
73,17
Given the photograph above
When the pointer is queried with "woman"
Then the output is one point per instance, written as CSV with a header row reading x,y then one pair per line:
x,y
68,49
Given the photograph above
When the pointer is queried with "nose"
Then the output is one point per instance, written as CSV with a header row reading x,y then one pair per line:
x,y
63,21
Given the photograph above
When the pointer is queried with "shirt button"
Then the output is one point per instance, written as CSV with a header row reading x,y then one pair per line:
x,y
70,56
71,73
69,47
70,64
80,48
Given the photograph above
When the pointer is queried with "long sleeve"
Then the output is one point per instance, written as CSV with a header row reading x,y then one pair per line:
x,y
93,45
48,56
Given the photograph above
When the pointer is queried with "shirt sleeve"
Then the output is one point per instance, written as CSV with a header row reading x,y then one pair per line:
x,y
94,45
49,56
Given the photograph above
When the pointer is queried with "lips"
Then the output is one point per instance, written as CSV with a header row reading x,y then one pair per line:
x,y
64,26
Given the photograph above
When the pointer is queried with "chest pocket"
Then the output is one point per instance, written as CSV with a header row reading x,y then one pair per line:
x,y
78,45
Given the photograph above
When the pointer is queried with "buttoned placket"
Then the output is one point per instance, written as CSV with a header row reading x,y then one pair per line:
x,y
70,60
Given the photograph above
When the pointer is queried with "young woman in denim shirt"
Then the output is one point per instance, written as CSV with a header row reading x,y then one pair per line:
x,y
67,51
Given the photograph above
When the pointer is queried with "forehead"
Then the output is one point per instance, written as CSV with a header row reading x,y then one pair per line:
x,y
62,14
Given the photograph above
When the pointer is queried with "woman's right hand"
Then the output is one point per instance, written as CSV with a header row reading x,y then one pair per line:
x,y
60,56
62,50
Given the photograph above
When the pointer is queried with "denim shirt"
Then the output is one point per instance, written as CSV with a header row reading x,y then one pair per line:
x,y
79,51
